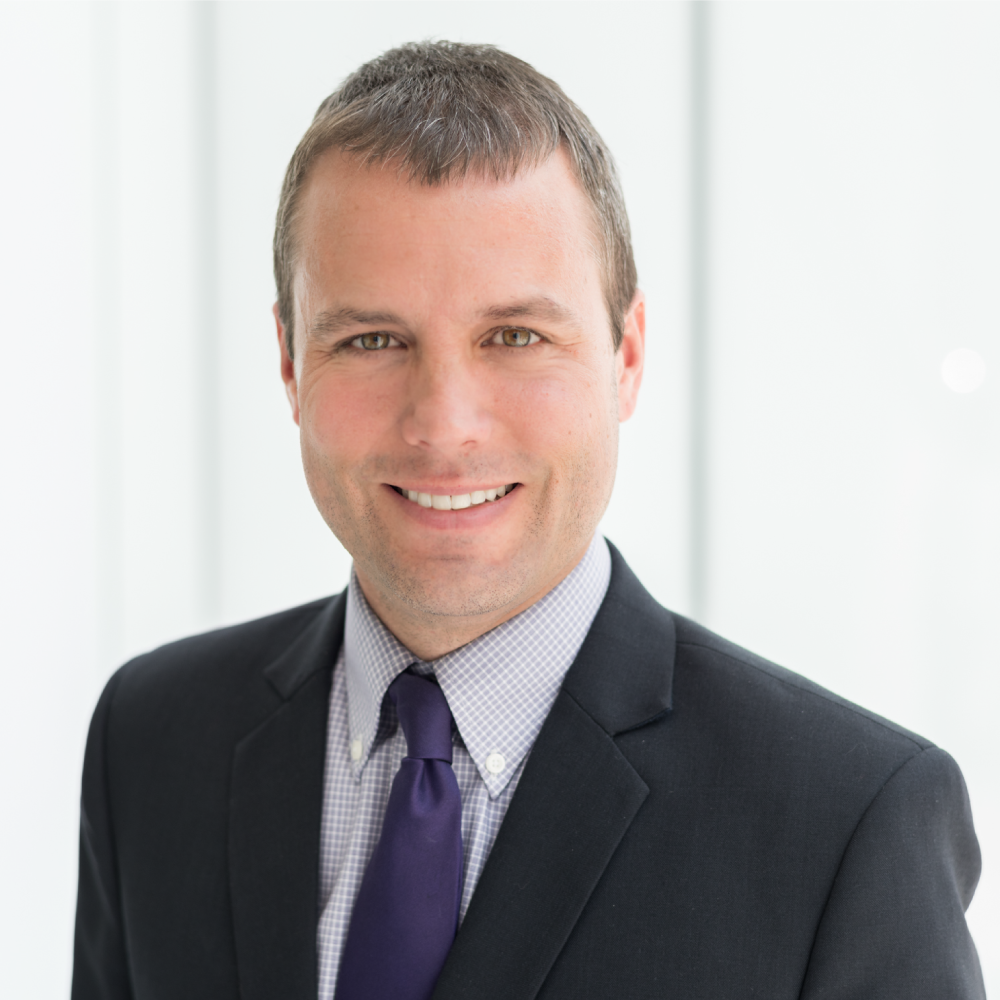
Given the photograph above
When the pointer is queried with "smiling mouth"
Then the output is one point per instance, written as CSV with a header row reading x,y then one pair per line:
x,y
456,501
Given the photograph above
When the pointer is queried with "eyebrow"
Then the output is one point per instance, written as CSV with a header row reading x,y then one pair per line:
x,y
330,322
542,307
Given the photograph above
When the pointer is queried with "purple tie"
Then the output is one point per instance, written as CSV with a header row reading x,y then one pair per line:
x,y
406,913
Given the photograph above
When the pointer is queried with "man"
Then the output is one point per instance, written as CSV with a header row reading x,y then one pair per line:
x,y
494,730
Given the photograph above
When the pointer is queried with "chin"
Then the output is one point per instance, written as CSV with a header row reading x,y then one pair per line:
x,y
454,586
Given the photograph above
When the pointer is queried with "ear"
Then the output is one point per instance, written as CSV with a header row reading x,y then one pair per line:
x,y
631,356
287,367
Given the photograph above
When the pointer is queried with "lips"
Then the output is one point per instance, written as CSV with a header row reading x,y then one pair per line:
x,y
455,501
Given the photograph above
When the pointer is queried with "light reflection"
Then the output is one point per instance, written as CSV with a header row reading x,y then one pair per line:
x,y
963,370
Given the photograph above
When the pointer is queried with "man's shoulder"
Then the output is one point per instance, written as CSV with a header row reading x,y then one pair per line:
x,y
751,747
726,699
220,675
246,646
720,680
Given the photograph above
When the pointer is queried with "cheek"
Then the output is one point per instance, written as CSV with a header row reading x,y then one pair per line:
x,y
342,418
566,412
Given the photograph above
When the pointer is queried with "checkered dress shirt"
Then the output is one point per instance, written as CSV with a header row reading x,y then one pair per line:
x,y
499,688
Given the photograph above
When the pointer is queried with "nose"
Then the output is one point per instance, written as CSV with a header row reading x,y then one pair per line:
x,y
449,409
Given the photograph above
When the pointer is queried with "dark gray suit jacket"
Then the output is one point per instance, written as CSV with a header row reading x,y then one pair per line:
x,y
693,822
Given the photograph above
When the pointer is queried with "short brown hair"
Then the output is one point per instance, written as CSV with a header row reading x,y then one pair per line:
x,y
442,110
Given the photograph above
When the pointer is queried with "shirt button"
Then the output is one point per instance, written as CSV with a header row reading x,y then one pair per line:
x,y
356,748
495,763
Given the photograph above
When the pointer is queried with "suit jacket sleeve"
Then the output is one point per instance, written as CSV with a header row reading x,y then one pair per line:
x,y
100,970
894,924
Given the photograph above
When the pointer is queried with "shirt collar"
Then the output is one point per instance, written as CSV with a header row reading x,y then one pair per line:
x,y
499,687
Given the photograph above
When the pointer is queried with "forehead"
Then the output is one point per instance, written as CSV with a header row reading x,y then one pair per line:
x,y
371,226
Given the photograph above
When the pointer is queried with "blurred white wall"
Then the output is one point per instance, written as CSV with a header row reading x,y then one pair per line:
x,y
850,221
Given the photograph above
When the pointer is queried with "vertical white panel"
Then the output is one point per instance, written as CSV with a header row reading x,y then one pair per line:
x,y
47,557
856,243
158,326
624,64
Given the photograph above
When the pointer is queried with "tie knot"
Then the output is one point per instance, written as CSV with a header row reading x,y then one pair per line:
x,y
424,715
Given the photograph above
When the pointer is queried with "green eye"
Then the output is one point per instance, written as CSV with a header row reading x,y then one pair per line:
x,y
374,341
515,337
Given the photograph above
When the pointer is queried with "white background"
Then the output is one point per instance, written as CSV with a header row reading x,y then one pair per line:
x,y
847,500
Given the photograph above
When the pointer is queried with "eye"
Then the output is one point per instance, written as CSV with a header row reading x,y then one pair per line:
x,y
373,341
515,336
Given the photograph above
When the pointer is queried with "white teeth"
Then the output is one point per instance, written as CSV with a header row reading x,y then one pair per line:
x,y
458,501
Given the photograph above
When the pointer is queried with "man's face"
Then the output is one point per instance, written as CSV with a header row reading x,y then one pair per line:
x,y
449,341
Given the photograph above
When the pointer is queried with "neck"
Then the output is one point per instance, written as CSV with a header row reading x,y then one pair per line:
x,y
429,635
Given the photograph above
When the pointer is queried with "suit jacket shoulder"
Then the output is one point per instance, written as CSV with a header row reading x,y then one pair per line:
x,y
202,791
698,648
783,716
890,805
225,660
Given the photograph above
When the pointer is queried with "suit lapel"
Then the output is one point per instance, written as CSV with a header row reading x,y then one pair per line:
x,y
574,803
275,811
